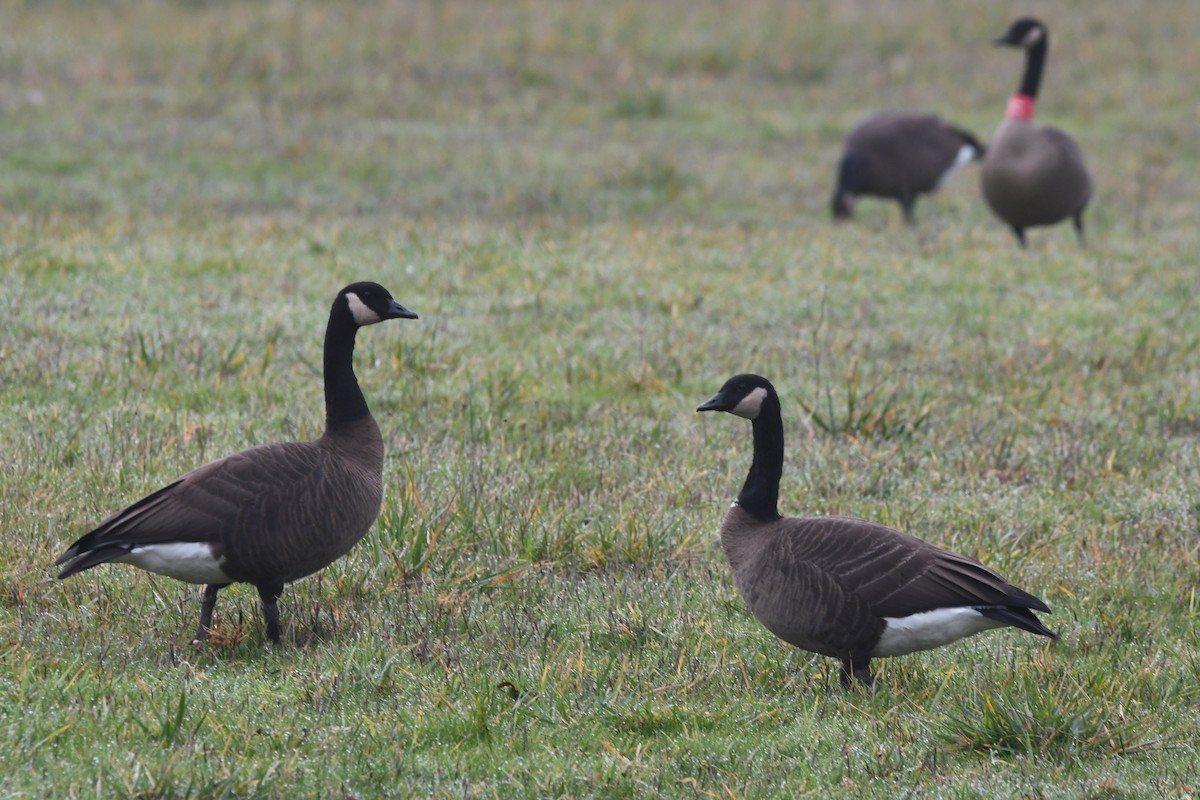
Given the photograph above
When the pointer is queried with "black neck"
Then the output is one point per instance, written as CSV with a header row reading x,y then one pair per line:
x,y
1035,62
760,493
344,401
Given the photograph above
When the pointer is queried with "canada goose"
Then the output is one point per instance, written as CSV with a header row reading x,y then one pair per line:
x,y
843,587
271,514
1033,176
900,156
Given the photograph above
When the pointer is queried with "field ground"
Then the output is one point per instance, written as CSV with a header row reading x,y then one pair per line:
x,y
601,210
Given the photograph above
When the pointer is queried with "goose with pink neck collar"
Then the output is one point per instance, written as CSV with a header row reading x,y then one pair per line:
x,y
1033,176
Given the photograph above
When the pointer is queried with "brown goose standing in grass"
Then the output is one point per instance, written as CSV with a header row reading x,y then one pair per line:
x,y
1033,176
271,514
900,156
842,587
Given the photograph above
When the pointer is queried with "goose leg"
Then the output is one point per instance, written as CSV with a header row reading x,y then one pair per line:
x,y
270,592
1020,232
207,601
1078,220
860,670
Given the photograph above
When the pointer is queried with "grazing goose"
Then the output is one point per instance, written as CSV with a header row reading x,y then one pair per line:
x,y
842,587
1033,176
271,514
900,156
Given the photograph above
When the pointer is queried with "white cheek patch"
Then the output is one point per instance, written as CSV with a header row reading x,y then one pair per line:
x,y
363,314
930,629
751,404
1033,37
191,562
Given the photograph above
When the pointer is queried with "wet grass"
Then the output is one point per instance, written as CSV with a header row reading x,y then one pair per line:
x,y
601,211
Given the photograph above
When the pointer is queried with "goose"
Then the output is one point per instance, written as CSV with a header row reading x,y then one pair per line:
x,y
900,156
1033,176
843,587
271,514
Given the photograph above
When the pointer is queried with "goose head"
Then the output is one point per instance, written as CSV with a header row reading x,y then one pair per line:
x,y
369,303
742,395
1025,32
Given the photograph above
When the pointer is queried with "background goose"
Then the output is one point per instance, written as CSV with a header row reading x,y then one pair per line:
x,y
842,587
900,156
271,514
1033,176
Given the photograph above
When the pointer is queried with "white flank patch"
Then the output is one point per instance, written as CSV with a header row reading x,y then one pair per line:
x,y
930,629
965,154
191,562
751,404
363,314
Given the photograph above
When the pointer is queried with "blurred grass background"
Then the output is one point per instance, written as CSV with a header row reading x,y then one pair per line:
x,y
601,210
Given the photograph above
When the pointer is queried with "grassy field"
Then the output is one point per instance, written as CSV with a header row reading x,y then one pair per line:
x,y
601,210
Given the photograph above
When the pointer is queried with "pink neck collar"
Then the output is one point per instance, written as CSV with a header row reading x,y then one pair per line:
x,y
1020,106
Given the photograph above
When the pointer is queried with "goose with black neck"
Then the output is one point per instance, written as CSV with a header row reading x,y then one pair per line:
x,y
843,587
271,514
1033,176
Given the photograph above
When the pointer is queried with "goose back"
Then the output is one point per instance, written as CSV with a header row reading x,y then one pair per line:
x,y
900,156
275,512
833,585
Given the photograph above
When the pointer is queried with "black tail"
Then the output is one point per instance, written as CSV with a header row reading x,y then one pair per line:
x,y
1018,617
78,562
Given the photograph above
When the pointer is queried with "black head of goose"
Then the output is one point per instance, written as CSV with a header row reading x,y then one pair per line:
x,y
842,587
900,156
271,514
1033,176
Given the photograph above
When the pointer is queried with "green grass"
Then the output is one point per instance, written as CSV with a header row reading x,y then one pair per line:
x,y
601,211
